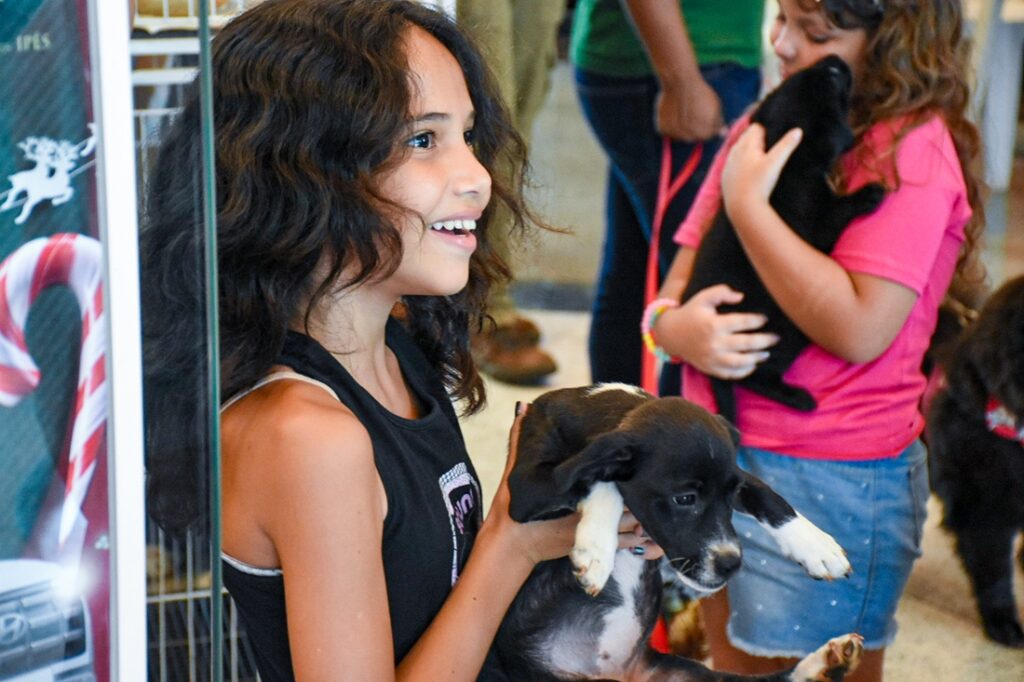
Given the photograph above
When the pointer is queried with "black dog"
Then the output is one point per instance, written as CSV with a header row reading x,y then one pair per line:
x,y
976,450
674,465
817,100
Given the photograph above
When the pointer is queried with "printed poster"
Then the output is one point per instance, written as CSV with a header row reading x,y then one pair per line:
x,y
54,544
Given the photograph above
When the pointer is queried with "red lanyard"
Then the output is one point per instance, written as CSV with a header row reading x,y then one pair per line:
x,y
667,189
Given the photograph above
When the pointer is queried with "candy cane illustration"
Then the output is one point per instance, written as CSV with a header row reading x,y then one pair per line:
x,y
73,260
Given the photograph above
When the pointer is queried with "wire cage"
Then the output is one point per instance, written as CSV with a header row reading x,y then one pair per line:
x,y
178,613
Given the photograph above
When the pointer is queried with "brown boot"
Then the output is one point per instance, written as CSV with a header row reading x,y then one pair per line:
x,y
510,353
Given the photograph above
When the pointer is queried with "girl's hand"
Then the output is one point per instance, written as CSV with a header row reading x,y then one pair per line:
x,y
632,536
720,345
750,172
537,540
544,540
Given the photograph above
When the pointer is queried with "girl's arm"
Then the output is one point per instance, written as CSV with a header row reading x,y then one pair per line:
x,y
724,346
324,515
852,315
300,491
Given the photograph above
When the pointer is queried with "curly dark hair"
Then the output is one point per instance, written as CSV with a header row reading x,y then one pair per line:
x,y
311,107
916,65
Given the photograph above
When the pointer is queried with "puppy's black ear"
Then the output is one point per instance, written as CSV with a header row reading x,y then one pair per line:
x,y
609,457
756,498
734,433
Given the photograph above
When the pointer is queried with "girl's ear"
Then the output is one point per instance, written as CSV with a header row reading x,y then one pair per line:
x,y
608,457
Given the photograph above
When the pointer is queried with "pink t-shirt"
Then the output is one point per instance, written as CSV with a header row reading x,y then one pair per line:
x,y
870,410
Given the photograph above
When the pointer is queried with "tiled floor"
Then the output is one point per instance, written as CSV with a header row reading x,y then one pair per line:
x,y
939,639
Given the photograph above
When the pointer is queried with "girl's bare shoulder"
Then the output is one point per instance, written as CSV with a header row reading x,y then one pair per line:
x,y
290,424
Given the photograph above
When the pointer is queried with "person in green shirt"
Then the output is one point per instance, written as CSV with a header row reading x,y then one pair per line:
x,y
518,40
644,69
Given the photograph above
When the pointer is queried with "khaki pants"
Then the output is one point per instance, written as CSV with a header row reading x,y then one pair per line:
x,y
517,38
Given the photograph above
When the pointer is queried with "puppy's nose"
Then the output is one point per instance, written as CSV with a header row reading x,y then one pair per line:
x,y
840,77
727,563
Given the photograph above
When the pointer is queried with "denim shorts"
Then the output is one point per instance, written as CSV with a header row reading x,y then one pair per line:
x,y
875,510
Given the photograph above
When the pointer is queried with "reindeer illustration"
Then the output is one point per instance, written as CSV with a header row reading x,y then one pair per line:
x,y
50,178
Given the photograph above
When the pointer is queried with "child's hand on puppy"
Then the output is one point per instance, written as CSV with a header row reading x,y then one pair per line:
x,y
751,171
537,540
633,537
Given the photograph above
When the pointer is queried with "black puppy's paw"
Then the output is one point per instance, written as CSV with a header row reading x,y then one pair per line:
x,y
856,204
1005,629
772,386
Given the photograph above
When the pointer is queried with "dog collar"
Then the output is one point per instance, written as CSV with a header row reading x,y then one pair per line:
x,y
1002,422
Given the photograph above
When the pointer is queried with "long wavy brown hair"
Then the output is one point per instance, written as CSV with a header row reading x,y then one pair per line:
x,y
916,65
311,109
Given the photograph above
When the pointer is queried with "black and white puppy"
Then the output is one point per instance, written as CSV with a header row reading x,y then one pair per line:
x,y
595,449
817,100
975,431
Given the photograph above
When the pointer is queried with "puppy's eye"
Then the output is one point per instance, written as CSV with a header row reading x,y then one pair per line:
x,y
685,500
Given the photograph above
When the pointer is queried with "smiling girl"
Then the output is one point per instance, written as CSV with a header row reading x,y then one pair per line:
x,y
855,465
354,146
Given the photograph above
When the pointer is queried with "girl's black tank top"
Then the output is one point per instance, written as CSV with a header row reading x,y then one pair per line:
x,y
433,498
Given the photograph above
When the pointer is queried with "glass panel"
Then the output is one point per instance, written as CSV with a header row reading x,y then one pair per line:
x,y
178,300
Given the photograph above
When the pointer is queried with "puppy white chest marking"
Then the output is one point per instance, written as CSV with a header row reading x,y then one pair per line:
x,y
621,624
571,653
597,536
814,549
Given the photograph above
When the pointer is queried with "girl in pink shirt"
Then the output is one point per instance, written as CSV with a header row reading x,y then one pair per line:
x,y
855,465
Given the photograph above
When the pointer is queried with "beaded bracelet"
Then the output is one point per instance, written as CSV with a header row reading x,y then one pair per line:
x,y
652,312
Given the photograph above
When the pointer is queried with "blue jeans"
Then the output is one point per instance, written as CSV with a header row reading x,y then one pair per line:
x,y
620,112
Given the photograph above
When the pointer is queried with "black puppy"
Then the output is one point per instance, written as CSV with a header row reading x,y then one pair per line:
x,y
976,450
817,100
673,464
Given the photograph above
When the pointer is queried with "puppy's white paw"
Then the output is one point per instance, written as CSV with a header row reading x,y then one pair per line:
x,y
597,537
814,549
832,661
593,567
